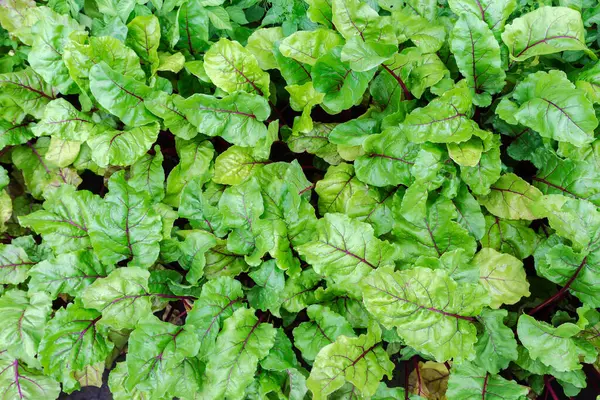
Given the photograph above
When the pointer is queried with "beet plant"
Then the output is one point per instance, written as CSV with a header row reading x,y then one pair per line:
x,y
300,199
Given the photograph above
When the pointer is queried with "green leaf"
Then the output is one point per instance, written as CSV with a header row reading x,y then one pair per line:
x,y
513,237
192,254
155,349
62,120
493,12
346,250
63,222
578,272
469,212
502,275
171,62
387,160
261,44
237,118
298,292
360,360
192,20
336,188
511,197
116,382
568,177
343,87
370,38
124,227
114,147
411,70
68,273
480,177
73,340
147,175
14,264
554,347
236,164
143,36
307,47
323,329
546,30
444,120
120,94
477,55
315,141
410,26
122,297
80,58
496,347
25,319
220,297
195,162
163,105
269,282
28,90
233,68
199,211
242,343
433,235
116,8
281,357
14,134
429,311
469,381
49,35
40,176
17,381
552,106
242,207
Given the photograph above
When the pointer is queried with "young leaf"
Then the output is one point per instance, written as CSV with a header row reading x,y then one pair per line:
x,y
444,120
429,311
219,299
554,347
346,250
122,297
502,275
323,329
546,30
471,382
68,273
553,107
14,264
511,197
237,118
25,319
242,343
233,68
155,349
18,381
143,36
73,340
496,347
477,55
124,227
121,95
360,360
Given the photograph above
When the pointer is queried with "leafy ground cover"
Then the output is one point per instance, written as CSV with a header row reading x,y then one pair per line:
x,y
289,199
